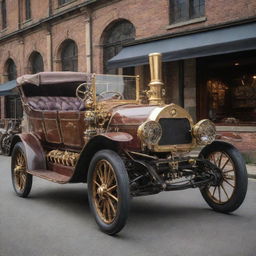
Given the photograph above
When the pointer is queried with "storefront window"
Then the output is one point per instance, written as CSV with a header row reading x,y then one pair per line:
x,y
228,88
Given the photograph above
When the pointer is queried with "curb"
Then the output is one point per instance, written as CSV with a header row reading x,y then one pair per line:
x,y
252,176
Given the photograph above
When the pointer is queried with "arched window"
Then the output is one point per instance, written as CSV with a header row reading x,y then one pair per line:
x,y
36,63
27,9
116,36
13,106
69,53
3,14
11,70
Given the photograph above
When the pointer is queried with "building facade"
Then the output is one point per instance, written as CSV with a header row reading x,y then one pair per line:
x,y
209,51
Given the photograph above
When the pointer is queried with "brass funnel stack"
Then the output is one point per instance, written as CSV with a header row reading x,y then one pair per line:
x,y
156,92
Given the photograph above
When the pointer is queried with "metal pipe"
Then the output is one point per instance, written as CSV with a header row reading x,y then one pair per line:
x,y
155,93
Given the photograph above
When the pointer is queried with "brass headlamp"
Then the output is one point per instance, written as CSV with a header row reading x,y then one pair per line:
x,y
204,132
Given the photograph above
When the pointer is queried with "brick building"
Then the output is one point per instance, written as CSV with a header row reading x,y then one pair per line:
x,y
208,46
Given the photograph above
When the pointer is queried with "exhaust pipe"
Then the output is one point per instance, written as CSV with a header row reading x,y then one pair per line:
x,y
156,92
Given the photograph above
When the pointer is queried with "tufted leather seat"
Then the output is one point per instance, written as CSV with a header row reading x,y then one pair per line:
x,y
56,103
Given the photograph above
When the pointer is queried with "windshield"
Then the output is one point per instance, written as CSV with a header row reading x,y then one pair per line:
x,y
114,87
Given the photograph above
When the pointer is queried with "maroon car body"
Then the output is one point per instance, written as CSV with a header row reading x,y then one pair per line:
x,y
101,130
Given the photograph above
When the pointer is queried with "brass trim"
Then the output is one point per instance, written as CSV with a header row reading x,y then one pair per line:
x,y
172,111
65,158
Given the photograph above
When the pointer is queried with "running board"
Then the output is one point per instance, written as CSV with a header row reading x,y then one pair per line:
x,y
50,175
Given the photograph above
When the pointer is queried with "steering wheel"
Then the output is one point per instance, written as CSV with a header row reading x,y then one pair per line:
x,y
83,92
114,95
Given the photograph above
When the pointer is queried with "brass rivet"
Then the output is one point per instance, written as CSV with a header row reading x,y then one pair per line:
x,y
173,112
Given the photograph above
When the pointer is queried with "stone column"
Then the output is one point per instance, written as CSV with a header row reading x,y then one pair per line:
x,y
190,87
88,39
49,51
2,107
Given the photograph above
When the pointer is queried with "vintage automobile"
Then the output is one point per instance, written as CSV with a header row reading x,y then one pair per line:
x,y
8,128
101,130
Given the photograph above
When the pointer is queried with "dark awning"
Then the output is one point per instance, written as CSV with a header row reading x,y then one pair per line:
x,y
8,88
214,42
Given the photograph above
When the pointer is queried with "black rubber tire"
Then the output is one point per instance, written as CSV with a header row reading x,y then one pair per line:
x,y
241,180
19,147
123,189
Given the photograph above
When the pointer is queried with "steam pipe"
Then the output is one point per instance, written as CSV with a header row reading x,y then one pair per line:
x,y
156,92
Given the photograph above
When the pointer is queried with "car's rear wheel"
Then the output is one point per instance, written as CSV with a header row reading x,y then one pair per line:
x,y
21,180
230,190
108,191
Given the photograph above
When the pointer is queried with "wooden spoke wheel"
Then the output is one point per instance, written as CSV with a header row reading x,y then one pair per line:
x,y
230,190
21,180
108,191
105,194
222,192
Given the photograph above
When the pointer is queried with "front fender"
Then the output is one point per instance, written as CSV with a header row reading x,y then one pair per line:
x,y
34,152
109,140
117,136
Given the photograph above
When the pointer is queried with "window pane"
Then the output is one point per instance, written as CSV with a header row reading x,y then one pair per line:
x,y
119,34
69,56
197,8
28,10
179,10
11,70
3,12
13,107
63,1
37,64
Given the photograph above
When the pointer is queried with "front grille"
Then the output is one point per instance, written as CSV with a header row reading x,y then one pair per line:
x,y
175,131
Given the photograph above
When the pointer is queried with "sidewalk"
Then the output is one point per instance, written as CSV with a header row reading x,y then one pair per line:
x,y
251,169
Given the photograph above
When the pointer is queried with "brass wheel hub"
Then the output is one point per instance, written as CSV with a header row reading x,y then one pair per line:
x,y
102,191
105,192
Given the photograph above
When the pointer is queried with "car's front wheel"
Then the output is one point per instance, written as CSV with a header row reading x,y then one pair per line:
x,y
229,192
108,191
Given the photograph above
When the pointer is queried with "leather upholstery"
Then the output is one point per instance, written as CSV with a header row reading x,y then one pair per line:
x,y
56,103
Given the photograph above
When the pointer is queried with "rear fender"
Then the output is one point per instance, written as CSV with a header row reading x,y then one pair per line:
x,y
34,152
110,140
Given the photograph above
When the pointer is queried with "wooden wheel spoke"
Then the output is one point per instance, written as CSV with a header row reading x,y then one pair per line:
x,y
232,170
213,159
214,191
96,183
21,182
108,211
219,193
111,188
99,174
220,158
225,180
224,191
109,176
103,171
112,206
112,196
222,168
104,208
229,177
